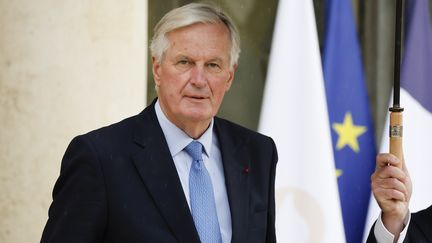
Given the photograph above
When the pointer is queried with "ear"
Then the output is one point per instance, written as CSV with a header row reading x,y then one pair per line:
x,y
231,77
156,69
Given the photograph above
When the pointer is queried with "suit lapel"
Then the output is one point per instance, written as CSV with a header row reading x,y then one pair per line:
x,y
236,163
157,170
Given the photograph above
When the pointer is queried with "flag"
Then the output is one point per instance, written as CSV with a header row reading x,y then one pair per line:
x,y
294,114
350,120
416,98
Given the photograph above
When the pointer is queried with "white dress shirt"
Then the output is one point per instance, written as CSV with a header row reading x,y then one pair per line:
x,y
177,140
382,235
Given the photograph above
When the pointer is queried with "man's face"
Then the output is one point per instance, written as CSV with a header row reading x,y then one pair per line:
x,y
194,74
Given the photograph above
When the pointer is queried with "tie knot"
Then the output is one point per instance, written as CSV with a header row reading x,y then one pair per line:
x,y
194,149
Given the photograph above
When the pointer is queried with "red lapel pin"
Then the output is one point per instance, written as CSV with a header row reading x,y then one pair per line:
x,y
246,170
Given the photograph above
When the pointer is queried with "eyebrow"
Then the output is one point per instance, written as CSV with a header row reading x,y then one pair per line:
x,y
217,59
182,56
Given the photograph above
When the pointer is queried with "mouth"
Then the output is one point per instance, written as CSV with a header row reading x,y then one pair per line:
x,y
196,97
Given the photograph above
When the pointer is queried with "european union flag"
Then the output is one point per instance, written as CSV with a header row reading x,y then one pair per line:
x,y
351,125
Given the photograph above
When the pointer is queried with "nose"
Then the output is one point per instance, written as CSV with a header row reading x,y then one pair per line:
x,y
198,76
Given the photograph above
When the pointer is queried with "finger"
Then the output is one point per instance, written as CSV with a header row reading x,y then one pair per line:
x,y
390,184
384,195
390,177
407,181
386,159
404,168
391,172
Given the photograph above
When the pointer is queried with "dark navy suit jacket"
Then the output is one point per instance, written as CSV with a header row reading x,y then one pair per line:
x,y
119,184
419,229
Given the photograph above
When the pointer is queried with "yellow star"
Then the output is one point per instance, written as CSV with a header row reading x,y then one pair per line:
x,y
348,133
338,173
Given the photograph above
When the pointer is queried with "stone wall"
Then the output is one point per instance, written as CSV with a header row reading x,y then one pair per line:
x,y
66,67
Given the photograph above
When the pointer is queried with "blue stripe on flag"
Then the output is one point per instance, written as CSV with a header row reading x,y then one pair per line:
x,y
416,74
351,125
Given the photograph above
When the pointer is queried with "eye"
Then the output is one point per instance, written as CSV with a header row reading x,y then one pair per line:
x,y
213,67
183,62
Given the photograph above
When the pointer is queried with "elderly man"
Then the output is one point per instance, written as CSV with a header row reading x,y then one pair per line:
x,y
175,172
392,187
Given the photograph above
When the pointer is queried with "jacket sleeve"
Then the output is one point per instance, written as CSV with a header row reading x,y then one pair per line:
x,y
78,212
371,237
271,231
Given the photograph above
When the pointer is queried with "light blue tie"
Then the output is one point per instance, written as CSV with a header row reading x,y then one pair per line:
x,y
202,200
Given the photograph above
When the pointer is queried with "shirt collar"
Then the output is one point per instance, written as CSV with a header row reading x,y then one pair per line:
x,y
177,139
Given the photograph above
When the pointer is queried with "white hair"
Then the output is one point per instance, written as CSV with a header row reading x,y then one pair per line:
x,y
187,15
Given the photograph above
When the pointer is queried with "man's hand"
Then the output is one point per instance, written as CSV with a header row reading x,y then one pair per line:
x,y
392,189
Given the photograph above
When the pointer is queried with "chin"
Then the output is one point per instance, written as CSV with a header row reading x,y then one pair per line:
x,y
198,116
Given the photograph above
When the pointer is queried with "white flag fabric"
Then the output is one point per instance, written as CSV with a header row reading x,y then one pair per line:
x,y
294,114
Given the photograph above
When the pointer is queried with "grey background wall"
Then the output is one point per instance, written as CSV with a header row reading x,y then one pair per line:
x,y
66,67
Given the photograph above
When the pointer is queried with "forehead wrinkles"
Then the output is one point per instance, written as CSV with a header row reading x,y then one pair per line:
x,y
197,52
200,40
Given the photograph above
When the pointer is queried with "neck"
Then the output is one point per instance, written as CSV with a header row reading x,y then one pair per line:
x,y
194,130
